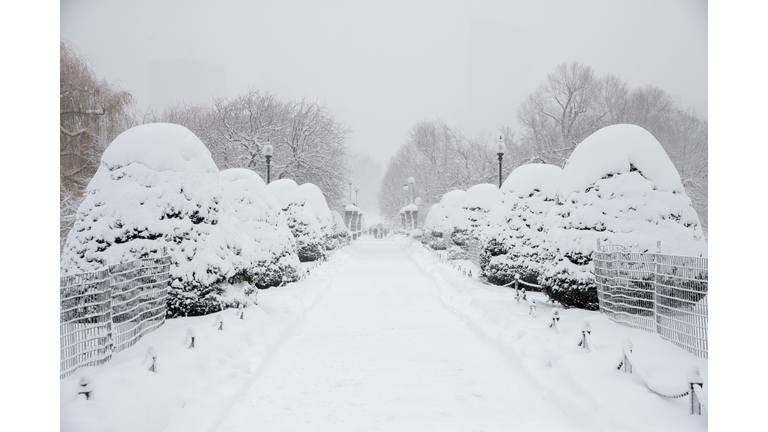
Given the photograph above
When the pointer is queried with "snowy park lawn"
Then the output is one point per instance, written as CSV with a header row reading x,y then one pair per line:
x,y
193,388
585,384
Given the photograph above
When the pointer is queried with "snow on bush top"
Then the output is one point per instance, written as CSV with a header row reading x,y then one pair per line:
x,y
286,192
619,149
620,186
480,197
533,179
258,212
159,147
440,215
157,186
316,203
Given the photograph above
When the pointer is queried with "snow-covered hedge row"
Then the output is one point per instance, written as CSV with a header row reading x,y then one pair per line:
x,y
619,186
157,186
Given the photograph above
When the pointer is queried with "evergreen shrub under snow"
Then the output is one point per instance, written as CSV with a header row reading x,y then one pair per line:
x,y
303,224
440,219
515,233
618,186
274,260
156,187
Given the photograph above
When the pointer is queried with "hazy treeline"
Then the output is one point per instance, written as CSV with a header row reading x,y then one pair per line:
x,y
568,106
309,142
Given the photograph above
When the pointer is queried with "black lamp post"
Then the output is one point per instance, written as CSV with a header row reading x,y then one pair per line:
x,y
357,189
268,150
500,147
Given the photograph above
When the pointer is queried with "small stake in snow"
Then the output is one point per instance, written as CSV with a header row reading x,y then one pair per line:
x,y
241,311
86,386
524,297
191,337
626,347
555,319
152,352
219,322
586,330
532,306
694,379
517,279
470,273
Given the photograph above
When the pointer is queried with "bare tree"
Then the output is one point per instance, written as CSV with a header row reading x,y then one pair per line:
x,y
92,113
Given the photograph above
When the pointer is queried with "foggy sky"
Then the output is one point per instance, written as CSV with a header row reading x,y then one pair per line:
x,y
383,66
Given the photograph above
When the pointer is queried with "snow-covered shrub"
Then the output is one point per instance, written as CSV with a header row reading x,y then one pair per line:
x,y
315,202
456,253
274,260
515,231
301,220
156,187
618,186
471,216
340,231
440,218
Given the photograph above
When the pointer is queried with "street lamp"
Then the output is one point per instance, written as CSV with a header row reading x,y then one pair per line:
x,y
344,203
268,150
350,189
411,180
357,189
405,194
418,212
500,147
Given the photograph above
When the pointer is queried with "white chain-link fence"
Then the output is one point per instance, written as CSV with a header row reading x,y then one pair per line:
x,y
106,311
665,294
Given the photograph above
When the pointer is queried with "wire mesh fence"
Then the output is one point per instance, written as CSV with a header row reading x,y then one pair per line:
x,y
665,294
106,311
473,250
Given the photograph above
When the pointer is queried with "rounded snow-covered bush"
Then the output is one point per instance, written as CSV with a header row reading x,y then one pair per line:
x,y
440,219
273,260
515,225
619,186
156,187
301,220
469,222
315,202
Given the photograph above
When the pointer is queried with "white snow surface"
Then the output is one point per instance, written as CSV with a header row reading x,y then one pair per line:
x,y
385,337
611,150
533,178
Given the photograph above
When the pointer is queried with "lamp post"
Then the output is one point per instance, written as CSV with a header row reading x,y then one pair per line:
x,y
357,189
268,150
405,194
418,212
350,190
344,203
500,147
411,180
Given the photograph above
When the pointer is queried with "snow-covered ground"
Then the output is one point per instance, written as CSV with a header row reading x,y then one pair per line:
x,y
383,336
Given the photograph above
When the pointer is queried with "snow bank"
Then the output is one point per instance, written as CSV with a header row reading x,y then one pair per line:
x,y
157,186
620,187
193,389
274,260
515,224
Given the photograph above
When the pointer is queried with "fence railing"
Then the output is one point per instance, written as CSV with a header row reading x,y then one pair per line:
x,y
106,311
473,250
665,294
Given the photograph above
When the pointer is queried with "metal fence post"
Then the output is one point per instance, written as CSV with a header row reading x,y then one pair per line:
x,y
694,379
86,386
656,287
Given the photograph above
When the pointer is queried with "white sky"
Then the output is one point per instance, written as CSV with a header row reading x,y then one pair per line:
x,y
383,66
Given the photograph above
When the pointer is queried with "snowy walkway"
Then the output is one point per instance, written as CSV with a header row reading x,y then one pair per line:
x,y
381,352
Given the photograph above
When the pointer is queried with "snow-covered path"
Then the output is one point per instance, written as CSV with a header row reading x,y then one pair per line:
x,y
381,352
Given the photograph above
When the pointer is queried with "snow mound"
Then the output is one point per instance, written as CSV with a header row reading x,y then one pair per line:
x,y
533,179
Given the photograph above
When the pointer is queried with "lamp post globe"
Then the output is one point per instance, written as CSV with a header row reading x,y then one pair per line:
x,y
500,148
268,150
